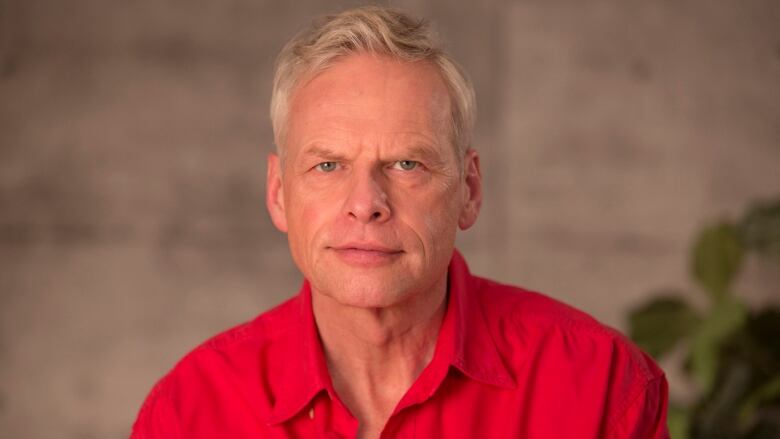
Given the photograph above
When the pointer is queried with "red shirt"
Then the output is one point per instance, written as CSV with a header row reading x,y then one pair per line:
x,y
508,363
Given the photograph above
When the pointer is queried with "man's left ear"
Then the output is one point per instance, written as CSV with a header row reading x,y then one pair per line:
x,y
473,190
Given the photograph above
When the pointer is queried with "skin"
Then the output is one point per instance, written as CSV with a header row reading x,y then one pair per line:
x,y
371,194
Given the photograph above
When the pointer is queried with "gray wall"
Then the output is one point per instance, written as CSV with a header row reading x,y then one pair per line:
x,y
132,145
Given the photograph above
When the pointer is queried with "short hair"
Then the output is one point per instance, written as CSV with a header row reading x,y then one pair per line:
x,y
369,29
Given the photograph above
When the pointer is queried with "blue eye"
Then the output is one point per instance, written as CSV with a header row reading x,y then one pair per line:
x,y
406,165
327,166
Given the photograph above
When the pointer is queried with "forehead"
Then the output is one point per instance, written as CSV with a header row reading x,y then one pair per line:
x,y
369,95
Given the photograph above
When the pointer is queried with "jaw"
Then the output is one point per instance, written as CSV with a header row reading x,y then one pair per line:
x,y
375,317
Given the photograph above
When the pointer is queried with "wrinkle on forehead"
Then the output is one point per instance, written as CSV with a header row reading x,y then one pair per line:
x,y
371,94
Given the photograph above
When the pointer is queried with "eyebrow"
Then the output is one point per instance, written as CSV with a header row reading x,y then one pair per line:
x,y
426,152
421,151
323,152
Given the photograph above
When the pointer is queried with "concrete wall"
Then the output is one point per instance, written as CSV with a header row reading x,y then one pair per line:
x,y
132,146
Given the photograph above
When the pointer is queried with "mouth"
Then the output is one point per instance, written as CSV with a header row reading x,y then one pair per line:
x,y
366,254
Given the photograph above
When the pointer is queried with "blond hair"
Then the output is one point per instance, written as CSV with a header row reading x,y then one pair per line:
x,y
369,29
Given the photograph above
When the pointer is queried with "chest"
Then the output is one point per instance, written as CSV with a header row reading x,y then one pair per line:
x,y
459,409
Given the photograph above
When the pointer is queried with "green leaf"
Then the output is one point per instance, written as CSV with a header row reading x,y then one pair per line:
x,y
679,422
760,229
717,256
717,414
769,391
727,317
658,325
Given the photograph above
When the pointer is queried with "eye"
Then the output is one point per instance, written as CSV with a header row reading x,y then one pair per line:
x,y
327,166
406,165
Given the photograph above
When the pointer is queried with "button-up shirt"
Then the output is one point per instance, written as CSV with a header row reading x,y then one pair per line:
x,y
508,363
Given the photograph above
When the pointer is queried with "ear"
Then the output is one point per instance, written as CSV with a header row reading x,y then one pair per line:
x,y
472,190
274,193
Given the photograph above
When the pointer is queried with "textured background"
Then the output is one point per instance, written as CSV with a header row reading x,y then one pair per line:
x,y
132,143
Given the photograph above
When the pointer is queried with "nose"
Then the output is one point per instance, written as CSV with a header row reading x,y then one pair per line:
x,y
367,200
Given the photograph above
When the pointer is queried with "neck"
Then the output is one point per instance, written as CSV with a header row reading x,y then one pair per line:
x,y
375,354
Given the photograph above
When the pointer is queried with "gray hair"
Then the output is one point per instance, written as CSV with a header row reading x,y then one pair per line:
x,y
369,29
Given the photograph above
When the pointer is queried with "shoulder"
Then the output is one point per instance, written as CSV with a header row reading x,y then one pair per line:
x,y
558,353
526,307
229,362
548,331
240,344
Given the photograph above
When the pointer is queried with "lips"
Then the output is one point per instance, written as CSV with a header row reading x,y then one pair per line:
x,y
365,253
368,247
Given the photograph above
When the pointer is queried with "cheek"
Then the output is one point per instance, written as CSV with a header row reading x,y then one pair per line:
x,y
439,218
308,215
302,212
303,220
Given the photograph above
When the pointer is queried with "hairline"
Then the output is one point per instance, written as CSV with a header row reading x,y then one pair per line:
x,y
379,30
309,75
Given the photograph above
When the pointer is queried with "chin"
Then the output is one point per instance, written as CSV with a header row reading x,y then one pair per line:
x,y
367,293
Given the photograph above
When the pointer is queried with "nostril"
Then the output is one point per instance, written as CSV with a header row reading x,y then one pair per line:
x,y
376,215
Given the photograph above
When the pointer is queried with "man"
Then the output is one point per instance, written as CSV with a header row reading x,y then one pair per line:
x,y
390,335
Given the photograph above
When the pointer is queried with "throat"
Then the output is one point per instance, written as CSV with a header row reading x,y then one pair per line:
x,y
375,356
372,389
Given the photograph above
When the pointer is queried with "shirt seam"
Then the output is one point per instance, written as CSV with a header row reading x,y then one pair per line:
x,y
591,327
254,329
628,403
161,394
481,316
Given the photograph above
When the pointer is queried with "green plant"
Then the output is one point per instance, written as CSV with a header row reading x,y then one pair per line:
x,y
732,352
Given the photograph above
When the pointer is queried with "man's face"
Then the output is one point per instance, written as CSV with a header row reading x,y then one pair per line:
x,y
371,190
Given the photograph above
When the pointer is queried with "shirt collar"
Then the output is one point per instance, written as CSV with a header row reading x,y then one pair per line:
x,y
473,350
464,342
306,373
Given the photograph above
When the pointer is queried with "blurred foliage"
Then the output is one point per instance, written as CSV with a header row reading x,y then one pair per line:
x,y
732,353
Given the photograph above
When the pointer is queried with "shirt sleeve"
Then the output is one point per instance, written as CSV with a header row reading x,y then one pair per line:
x,y
157,417
645,416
